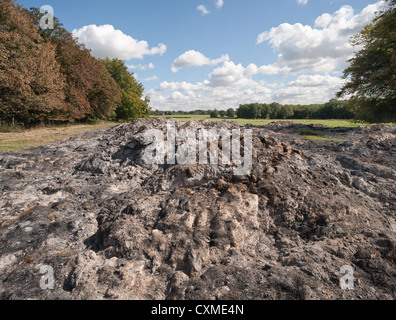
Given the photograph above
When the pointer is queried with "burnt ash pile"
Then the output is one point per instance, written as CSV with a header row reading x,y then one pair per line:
x,y
113,227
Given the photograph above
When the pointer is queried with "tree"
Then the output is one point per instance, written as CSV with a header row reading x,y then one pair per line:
x,y
372,72
132,104
31,85
90,91
214,114
274,109
334,109
264,111
105,94
285,112
230,113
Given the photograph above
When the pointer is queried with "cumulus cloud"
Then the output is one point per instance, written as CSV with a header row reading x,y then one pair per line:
x,y
203,9
302,2
226,86
232,84
182,86
141,67
236,75
324,47
219,3
306,89
192,58
208,97
105,41
153,78
309,89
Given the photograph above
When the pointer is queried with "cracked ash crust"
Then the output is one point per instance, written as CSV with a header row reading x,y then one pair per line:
x,y
113,227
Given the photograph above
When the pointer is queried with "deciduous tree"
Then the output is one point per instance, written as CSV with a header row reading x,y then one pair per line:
x,y
371,76
133,105
31,84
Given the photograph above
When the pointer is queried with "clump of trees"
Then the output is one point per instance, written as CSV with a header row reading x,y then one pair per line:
x,y
334,109
371,76
31,82
46,75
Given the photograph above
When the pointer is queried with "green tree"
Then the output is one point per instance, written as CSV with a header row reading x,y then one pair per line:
x,y
372,72
285,112
230,113
132,105
274,109
264,111
214,114
334,109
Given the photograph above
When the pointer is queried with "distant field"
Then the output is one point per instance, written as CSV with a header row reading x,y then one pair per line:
x,y
15,141
260,122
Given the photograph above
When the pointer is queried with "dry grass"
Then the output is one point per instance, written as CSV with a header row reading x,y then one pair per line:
x,y
16,141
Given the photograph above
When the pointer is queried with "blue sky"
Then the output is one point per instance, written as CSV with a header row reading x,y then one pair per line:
x,y
192,54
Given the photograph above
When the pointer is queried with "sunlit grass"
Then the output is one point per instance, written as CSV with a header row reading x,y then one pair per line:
x,y
16,141
263,122
316,138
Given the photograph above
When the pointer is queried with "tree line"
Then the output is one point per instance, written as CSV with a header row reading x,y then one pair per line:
x,y
334,109
46,75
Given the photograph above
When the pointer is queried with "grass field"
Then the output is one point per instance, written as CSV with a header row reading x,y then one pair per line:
x,y
260,122
15,141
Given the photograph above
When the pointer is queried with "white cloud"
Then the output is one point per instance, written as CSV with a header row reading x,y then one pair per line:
x,y
203,9
219,3
209,98
226,86
142,67
232,75
182,86
105,41
302,2
194,58
232,84
308,89
153,78
322,48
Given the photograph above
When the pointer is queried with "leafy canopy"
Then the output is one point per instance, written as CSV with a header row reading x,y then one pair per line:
x,y
371,76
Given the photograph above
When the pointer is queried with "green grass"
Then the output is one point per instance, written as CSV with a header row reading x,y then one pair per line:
x,y
263,122
316,138
314,132
17,141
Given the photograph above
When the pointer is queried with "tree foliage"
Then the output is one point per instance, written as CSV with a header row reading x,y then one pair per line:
x,y
334,109
230,113
31,84
46,74
132,104
90,91
371,76
214,114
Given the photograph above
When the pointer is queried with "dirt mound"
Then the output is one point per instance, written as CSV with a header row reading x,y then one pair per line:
x,y
112,226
